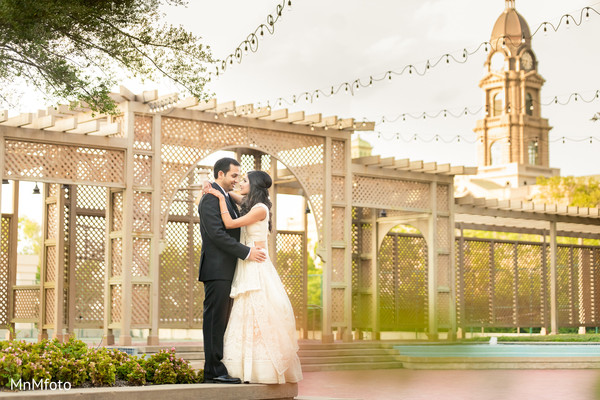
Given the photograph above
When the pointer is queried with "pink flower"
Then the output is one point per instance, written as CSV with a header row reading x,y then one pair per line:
x,y
19,362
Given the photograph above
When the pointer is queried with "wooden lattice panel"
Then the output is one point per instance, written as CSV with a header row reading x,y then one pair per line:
x,y
442,198
337,306
443,309
337,188
91,197
26,304
4,275
265,163
117,205
403,280
366,237
186,142
52,189
88,286
142,170
140,310
49,305
181,203
530,284
443,233
116,256
246,163
398,193
476,273
337,265
141,257
115,303
365,278
142,205
443,272
337,223
75,163
50,263
290,266
52,226
338,156
142,133
566,287
175,280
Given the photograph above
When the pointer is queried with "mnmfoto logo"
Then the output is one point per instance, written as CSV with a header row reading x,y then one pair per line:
x,y
39,385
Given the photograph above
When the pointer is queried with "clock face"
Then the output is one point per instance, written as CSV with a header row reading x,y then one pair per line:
x,y
526,61
497,61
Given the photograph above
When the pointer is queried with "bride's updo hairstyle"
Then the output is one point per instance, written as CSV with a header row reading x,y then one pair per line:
x,y
260,182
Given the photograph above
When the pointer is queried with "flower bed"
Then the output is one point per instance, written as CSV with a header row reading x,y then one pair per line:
x,y
74,364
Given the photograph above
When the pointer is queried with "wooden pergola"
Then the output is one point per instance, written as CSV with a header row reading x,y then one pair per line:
x,y
119,235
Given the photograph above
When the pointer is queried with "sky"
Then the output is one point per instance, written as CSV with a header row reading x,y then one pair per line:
x,y
318,44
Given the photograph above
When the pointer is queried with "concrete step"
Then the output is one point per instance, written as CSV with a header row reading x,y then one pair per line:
x,y
347,352
348,359
353,345
351,366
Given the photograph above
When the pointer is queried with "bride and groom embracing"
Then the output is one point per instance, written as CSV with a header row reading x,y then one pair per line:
x,y
249,327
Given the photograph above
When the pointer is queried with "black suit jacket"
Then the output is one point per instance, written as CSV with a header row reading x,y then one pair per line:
x,y
221,247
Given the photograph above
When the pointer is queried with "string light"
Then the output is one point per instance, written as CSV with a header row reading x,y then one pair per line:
x,y
397,136
251,41
464,56
471,111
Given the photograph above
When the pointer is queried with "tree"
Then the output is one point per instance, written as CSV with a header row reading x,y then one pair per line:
x,y
30,236
75,50
570,191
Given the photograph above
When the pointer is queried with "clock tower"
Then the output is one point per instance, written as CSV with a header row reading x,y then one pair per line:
x,y
512,136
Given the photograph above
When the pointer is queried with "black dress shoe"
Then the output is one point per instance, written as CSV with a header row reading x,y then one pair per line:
x,y
226,379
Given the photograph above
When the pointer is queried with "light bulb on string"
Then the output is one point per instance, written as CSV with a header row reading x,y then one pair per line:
x,y
370,81
587,14
289,4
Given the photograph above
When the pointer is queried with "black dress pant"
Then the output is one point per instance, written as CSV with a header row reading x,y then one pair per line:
x,y
217,307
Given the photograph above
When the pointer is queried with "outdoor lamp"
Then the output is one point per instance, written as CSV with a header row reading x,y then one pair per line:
x,y
36,189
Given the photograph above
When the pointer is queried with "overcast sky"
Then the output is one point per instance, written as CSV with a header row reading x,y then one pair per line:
x,y
318,44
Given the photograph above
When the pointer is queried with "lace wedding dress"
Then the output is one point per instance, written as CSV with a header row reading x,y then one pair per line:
x,y
260,344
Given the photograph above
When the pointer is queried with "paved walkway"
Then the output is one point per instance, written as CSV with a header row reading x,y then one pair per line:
x,y
451,385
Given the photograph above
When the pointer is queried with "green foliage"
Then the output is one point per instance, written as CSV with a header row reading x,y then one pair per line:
x,y
30,236
75,50
570,191
77,364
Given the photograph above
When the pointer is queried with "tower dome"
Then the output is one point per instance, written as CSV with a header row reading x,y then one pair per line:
x,y
510,29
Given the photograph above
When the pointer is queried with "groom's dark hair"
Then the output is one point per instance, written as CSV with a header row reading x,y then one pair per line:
x,y
224,164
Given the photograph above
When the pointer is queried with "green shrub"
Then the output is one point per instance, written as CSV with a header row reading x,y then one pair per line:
x,y
76,363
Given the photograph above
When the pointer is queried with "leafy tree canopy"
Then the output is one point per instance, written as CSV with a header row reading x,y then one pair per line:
x,y
570,191
74,50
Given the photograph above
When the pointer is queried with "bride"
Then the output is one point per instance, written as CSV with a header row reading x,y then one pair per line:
x,y
260,344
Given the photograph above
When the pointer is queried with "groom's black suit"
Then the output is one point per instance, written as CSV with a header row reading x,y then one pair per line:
x,y
221,249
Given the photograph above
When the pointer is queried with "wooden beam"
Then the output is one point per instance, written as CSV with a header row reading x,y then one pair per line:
x,y
226,107
293,117
64,124
277,115
364,126
126,93
368,160
204,105
19,120
187,102
346,123
263,112
245,109
310,119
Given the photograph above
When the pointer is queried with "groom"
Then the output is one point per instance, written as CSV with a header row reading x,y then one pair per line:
x,y
221,249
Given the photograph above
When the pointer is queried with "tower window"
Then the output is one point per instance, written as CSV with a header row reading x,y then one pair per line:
x,y
533,152
529,104
498,103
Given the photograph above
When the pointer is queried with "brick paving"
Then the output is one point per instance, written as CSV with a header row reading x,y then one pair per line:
x,y
582,384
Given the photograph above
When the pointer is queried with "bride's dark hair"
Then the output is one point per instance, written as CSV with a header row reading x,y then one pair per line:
x,y
260,182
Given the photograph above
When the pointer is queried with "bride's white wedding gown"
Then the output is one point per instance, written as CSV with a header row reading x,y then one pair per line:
x,y
260,344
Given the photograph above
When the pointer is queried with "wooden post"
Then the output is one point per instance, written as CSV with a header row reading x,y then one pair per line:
x,y
553,279
13,235
327,333
432,262
153,336
376,326
59,283
108,337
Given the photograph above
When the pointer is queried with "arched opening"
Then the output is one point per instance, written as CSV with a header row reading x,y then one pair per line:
x,y
533,152
498,103
291,246
528,104
403,276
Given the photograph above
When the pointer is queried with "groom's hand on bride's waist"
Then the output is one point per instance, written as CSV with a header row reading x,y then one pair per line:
x,y
257,254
